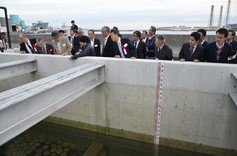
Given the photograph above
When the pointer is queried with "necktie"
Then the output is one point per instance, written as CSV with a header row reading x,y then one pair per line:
x,y
191,50
135,45
218,52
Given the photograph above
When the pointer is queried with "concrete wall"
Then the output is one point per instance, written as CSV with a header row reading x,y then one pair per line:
x,y
197,107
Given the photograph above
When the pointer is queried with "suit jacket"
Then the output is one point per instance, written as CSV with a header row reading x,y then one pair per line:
x,y
233,45
165,53
127,48
109,48
211,53
48,50
86,51
186,54
65,46
151,47
75,44
140,51
205,43
96,47
32,42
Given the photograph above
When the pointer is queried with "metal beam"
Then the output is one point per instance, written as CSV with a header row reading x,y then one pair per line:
x,y
233,96
26,105
19,67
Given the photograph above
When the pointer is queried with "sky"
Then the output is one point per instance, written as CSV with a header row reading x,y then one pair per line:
x,y
125,14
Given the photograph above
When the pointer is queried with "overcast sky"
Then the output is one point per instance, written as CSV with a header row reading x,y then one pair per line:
x,y
125,14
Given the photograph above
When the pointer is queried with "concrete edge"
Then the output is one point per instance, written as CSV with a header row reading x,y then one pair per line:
x,y
201,148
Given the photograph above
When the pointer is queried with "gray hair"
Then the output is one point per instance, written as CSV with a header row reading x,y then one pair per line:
x,y
106,28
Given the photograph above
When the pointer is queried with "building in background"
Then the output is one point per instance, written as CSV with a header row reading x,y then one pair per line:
x,y
17,23
39,25
232,26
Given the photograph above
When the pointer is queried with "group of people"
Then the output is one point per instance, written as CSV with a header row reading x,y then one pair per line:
x,y
222,50
144,45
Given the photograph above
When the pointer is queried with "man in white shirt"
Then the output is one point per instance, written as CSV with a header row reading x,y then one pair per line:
x,y
27,45
95,43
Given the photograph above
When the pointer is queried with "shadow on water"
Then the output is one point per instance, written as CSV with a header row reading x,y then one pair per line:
x,y
47,139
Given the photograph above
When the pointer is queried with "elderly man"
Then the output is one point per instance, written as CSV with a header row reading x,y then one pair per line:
x,y
27,45
61,45
150,43
108,45
163,51
42,47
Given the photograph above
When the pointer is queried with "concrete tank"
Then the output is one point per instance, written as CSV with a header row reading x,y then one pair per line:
x,y
197,113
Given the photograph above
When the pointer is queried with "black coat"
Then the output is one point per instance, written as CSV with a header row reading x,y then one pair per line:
x,y
97,47
128,48
151,47
75,44
109,48
185,53
211,53
205,43
140,51
23,46
165,53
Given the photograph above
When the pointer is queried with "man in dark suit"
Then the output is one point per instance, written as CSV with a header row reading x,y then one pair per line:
x,y
108,45
27,45
74,40
219,50
202,40
87,49
192,51
123,46
43,48
150,43
95,43
140,47
233,43
163,51
74,26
